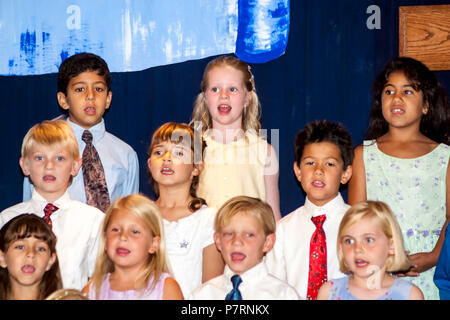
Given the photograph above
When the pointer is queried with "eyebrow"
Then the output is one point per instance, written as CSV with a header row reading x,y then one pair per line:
x,y
85,82
403,86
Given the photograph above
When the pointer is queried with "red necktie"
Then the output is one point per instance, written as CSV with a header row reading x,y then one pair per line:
x,y
48,210
94,176
317,259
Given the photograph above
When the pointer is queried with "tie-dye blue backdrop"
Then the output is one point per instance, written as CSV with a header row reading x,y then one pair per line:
x,y
37,35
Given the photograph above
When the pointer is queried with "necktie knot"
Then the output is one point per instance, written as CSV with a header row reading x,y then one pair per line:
x,y
48,210
318,221
87,136
235,294
236,281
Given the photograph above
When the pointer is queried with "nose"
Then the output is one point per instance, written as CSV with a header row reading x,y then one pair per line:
x,y
30,252
237,240
318,170
224,94
90,93
167,156
359,246
123,236
49,164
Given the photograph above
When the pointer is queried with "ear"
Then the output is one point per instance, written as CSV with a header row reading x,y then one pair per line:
x,y
347,174
76,166
25,166
197,169
62,100
108,99
155,245
217,241
391,247
51,261
297,172
2,259
248,98
269,243
425,108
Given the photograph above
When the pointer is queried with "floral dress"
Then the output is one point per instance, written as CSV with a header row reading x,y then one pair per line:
x,y
415,190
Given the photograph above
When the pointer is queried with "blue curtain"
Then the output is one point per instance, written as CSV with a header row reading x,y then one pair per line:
x,y
326,73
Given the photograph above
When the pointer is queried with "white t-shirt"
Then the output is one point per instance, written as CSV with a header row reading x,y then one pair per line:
x,y
185,241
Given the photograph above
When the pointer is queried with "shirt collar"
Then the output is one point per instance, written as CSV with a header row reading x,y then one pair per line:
x,y
39,202
330,208
98,131
256,271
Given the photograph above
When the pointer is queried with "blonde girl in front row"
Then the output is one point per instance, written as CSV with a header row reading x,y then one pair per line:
x,y
132,262
370,248
238,161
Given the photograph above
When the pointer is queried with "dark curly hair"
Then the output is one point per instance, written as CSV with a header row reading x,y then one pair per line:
x,y
79,63
436,123
325,131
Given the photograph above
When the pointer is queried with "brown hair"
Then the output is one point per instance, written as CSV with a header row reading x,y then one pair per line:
x,y
184,134
25,226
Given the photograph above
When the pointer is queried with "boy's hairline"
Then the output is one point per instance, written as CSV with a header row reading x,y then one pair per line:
x,y
246,211
64,144
332,142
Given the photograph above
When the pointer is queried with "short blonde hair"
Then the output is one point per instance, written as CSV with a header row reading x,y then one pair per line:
x,y
157,263
51,133
248,205
383,215
251,114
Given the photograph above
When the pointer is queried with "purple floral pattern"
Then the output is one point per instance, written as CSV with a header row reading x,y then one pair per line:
x,y
415,191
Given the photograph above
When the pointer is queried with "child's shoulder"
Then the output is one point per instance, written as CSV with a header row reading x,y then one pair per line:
x,y
118,143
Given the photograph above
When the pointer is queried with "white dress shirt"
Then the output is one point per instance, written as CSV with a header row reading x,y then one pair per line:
x,y
257,284
77,227
289,259
185,241
119,161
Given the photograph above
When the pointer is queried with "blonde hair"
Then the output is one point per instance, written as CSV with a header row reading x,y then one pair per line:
x,y
67,294
157,263
248,205
251,114
382,214
51,133
180,133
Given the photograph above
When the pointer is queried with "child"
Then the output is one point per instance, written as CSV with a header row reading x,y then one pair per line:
x,y
29,265
132,262
237,160
304,254
67,294
188,222
404,161
244,233
84,90
50,157
370,247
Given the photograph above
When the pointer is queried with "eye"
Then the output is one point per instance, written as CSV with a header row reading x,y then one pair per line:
x,y
19,246
233,89
388,92
99,89
79,89
348,241
60,158
309,163
370,240
249,235
41,249
215,89
408,92
38,158
114,229
330,164
135,232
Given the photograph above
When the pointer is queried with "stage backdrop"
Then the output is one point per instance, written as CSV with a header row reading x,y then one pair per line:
x,y
334,50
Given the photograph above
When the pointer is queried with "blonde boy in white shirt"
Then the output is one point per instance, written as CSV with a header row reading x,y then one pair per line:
x,y
244,233
50,157
323,157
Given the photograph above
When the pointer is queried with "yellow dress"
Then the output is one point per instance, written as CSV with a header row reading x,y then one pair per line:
x,y
233,169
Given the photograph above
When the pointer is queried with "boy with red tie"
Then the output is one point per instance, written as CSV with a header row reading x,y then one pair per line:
x,y
305,254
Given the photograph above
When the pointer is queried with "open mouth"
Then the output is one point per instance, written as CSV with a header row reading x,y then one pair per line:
x,y
28,269
89,110
360,263
397,111
49,178
167,171
224,109
238,257
318,184
123,252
